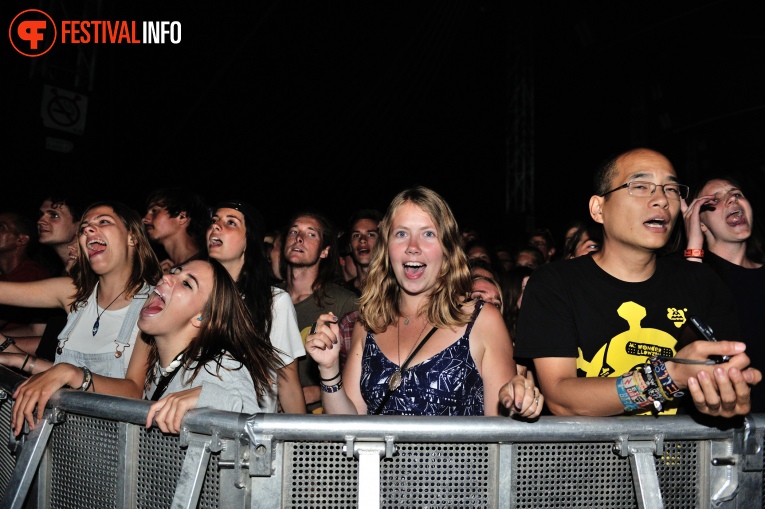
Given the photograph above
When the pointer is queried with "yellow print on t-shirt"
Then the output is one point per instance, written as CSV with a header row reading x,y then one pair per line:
x,y
630,348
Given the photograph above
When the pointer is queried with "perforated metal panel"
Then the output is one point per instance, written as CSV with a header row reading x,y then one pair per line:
x,y
439,476
320,476
84,457
568,475
160,460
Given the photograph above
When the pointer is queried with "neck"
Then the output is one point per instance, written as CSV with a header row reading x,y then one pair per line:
x,y
234,267
734,252
300,282
167,350
630,265
181,250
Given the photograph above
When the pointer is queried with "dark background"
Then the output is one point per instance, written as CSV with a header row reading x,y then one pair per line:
x,y
340,105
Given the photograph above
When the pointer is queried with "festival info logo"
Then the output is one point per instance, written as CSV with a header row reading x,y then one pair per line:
x,y
33,32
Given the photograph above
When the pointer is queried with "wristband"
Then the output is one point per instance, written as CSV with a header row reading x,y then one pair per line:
x,y
87,378
668,386
331,388
694,253
329,379
24,363
8,342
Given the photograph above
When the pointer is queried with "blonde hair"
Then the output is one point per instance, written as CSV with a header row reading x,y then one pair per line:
x,y
378,305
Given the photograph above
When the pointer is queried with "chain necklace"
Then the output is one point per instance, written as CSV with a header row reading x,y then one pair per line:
x,y
395,379
99,315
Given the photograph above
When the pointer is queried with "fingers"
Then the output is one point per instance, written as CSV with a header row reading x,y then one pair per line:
x,y
325,333
521,397
725,394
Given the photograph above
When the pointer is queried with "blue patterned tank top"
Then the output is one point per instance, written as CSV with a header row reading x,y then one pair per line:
x,y
446,384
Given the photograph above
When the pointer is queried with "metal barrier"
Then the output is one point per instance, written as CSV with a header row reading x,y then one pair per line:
x,y
92,450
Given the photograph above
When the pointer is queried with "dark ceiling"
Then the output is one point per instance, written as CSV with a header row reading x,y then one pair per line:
x,y
342,104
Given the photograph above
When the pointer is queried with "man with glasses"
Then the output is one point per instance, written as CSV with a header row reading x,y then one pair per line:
x,y
608,333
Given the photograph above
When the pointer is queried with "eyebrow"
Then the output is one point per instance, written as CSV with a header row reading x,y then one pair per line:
x,y
643,175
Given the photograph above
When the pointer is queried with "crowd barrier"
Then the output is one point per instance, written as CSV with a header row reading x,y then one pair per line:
x,y
92,450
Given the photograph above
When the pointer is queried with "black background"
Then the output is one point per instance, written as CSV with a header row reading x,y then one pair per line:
x,y
340,105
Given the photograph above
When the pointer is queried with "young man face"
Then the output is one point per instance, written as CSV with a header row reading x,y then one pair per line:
x,y
638,222
56,224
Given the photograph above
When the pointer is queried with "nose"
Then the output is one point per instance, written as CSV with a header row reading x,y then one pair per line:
x,y
413,246
146,219
660,197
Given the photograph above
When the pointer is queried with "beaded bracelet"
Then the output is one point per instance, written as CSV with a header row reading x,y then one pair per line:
x,y
332,388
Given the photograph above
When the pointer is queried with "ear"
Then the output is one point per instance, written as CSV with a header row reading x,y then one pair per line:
x,y
183,218
704,228
22,239
324,252
596,208
197,321
131,241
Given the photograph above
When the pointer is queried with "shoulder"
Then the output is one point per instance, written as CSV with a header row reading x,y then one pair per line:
x,y
281,298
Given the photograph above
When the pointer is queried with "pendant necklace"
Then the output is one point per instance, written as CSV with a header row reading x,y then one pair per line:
x,y
396,378
99,315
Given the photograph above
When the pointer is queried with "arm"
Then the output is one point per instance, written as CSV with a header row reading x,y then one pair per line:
x,y
24,343
38,389
722,389
492,350
324,347
54,292
291,396
567,394
693,230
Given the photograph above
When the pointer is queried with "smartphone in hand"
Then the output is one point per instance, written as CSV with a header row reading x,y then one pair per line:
x,y
708,334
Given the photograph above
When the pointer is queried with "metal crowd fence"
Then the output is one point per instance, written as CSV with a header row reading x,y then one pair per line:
x,y
92,450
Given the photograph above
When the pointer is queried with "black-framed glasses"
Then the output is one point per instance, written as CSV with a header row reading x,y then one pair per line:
x,y
643,189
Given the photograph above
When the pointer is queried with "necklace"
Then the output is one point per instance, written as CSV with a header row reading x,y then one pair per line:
x,y
396,378
99,315
163,372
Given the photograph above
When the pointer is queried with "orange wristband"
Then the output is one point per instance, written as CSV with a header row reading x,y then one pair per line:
x,y
694,253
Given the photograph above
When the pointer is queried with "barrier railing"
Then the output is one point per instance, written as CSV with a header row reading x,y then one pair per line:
x,y
92,450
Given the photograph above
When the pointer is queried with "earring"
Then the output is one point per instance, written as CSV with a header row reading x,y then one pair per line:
x,y
199,319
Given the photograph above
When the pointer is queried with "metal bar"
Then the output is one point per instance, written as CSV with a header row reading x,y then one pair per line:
x,y
26,465
192,474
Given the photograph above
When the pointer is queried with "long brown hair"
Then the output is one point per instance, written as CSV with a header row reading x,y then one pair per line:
x,y
146,268
227,327
378,305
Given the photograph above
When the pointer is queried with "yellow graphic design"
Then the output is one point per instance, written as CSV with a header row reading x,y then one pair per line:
x,y
677,316
305,332
630,348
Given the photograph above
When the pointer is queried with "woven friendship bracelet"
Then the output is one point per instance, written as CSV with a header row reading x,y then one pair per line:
x,y
331,388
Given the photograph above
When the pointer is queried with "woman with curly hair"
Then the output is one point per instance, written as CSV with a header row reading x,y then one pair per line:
x,y
421,345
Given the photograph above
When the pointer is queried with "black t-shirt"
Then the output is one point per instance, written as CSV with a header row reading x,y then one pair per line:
x,y
573,308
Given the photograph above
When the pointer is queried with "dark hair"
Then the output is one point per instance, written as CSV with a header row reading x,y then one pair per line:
x,y
177,200
226,327
512,288
75,205
593,231
539,258
255,280
754,244
329,267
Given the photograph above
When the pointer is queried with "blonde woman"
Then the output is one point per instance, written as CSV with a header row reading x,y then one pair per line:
x,y
416,303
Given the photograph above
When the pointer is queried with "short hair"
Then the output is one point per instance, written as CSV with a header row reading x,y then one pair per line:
x,y
179,199
372,214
